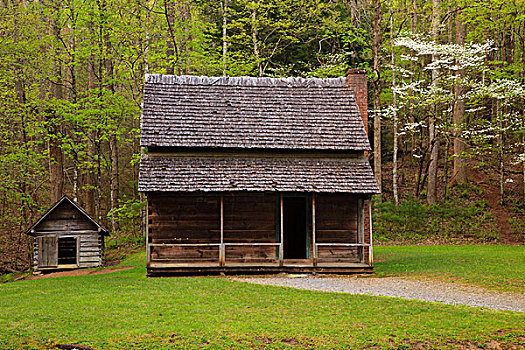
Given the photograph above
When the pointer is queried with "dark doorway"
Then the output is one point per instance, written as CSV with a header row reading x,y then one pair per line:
x,y
67,251
294,227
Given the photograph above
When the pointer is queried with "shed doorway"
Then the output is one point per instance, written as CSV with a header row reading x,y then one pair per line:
x,y
295,228
67,251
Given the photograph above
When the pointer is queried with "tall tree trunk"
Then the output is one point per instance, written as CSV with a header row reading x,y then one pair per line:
x,y
501,152
376,48
433,140
255,41
114,183
445,170
172,52
142,196
22,100
186,41
89,178
450,22
56,154
224,5
413,30
459,173
73,93
394,106
113,144
522,58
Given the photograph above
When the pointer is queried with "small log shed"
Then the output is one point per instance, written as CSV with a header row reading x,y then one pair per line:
x,y
67,237
256,175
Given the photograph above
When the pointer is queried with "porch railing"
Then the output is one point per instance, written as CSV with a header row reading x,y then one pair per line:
x,y
222,257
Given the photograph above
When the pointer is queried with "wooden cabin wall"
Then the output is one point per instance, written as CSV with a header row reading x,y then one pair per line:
x,y
195,219
184,218
367,228
90,252
250,218
337,222
336,218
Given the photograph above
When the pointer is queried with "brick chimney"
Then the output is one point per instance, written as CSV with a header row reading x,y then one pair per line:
x,y
356,79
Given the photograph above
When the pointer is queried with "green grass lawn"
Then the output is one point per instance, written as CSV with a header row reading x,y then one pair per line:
x,y
125,310
498,267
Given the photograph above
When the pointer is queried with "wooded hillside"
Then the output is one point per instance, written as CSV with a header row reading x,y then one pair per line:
x,y
446,93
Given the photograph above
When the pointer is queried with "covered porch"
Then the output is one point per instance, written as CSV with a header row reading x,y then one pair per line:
x,y
258,232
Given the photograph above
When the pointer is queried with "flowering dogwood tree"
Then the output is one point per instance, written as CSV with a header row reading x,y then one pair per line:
x,y
489,123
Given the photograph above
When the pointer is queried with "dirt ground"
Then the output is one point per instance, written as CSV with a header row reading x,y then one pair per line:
x,y
80,272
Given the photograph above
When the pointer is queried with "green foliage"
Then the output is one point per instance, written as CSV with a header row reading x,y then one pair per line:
x,y
128,217
517,221
124,310
460,219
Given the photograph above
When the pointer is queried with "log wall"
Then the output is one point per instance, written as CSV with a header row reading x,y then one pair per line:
x,y
67,221
183,218
90,247
194,219
337,222
250,218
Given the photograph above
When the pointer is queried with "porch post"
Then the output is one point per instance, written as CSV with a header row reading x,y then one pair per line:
x,y
370,248
222,252
314,242
145,222
361,228
281,246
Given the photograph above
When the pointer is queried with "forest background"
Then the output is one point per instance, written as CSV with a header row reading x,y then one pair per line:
x,y
446,101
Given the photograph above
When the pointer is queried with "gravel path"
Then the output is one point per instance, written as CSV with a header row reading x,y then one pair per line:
x,y
433,291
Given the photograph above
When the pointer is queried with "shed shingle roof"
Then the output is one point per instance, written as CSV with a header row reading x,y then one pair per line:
x,y
187,174
254,113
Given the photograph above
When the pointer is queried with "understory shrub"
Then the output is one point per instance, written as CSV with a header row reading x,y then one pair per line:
x,y
452,220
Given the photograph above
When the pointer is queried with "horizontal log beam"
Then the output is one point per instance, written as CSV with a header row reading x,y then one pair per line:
x,y
343,244
211,244
253,244
70,232
184,244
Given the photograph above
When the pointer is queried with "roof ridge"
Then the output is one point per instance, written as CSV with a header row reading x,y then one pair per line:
x,y
245,81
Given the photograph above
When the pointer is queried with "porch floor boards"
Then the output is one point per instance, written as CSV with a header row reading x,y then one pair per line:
x,y
161,269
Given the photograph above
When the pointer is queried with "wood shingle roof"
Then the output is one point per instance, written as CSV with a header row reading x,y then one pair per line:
x,y
251,113
216,173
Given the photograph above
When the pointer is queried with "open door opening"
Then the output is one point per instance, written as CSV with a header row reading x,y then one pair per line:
x,y
295,227
67,251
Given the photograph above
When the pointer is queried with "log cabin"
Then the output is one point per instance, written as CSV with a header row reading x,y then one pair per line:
x,y
256,175
66,237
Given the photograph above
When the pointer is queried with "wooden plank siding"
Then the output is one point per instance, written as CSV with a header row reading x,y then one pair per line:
x,y
90,248
66,236
65,218
249,218
183,218
337,222
184,231
195,219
